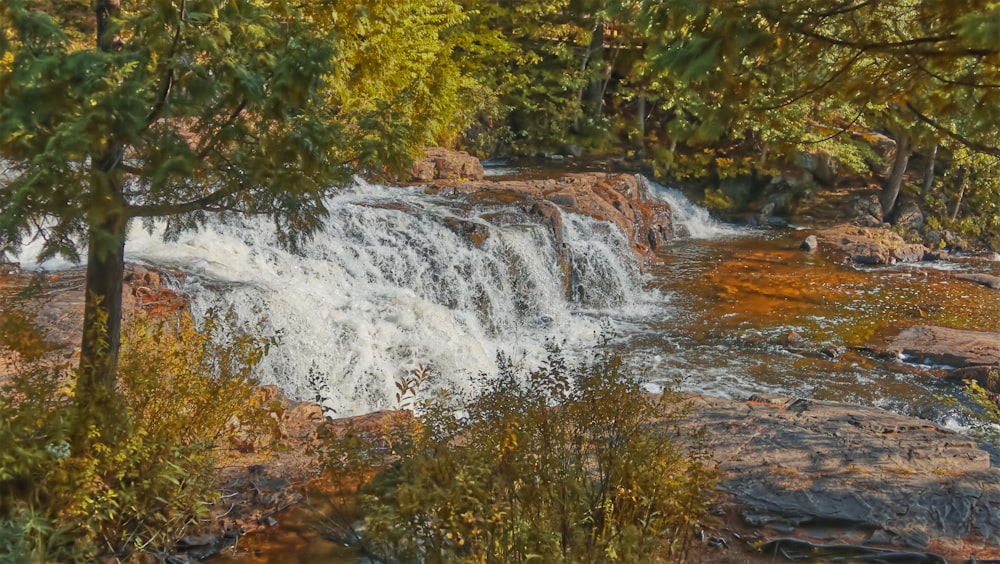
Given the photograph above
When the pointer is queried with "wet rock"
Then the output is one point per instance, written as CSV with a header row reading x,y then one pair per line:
x,y
932,256
474,232
834,353
817,469
154,290
810,244
988,377
871,246
984,279
441,163
618,198
791,340
953,347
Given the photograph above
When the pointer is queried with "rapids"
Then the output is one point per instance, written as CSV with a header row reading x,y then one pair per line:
x,y
395,282
389,286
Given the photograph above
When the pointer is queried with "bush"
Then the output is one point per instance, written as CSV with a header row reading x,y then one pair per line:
x,y
563,463
142,490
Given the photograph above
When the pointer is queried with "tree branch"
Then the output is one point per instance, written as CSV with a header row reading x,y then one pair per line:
x,y
882,46
204,203
813,90
975,146
951,82
207,148
843,9
168,81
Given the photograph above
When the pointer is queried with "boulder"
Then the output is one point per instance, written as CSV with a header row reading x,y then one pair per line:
x,y
868,211
908,216
153,291
810,244
988,377
821,166
871,246
959,348
794,178
441,163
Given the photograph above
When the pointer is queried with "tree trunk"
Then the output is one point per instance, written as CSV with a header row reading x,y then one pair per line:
x,y
106,11
594,102
961,195
641,123
891,191
929,172
98,406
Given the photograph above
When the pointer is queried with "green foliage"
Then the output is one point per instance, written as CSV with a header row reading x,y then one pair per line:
x,y
562,464
987,421
181,389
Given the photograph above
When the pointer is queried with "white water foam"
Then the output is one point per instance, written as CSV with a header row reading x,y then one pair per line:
x,y
696,219
388,286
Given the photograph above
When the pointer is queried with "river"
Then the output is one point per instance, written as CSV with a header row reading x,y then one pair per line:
x,y
394,282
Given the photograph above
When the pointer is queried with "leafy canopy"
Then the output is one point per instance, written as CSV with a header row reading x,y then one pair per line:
x,y
252,106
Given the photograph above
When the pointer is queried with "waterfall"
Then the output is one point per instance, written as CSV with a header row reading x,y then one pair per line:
x,y
688,215
395,281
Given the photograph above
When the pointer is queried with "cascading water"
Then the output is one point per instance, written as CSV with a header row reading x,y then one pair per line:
x,y
687,215
395,281
401,278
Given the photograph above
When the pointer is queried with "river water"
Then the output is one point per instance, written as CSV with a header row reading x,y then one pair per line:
x,y
395,282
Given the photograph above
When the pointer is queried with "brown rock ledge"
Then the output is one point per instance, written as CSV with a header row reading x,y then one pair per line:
x,y
617,198
846,474
959,348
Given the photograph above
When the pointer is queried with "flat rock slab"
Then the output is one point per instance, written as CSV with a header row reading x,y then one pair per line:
x,y
871,245
987,280
844,473
953,347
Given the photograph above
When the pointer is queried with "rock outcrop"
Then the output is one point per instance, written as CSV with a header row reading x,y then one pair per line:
x,y
58,311
619,198
871,246
837,474
951,347
848,474
441,163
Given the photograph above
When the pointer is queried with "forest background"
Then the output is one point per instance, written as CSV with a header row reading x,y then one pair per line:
x,y
115,110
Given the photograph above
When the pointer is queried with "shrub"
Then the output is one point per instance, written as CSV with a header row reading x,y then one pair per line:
x,y
140,491
563,463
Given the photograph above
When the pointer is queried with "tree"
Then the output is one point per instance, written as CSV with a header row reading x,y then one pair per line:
x,y
902,66
179,108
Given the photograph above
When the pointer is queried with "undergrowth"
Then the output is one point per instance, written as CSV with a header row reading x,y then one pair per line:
x,y
182,386
565,463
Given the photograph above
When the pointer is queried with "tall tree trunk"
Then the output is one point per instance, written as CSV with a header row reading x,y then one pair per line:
x,y
961,195
891,191
98,407
594,102
641,123
929,171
